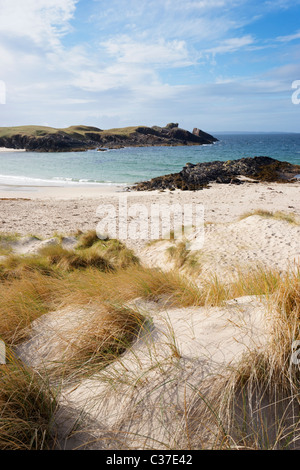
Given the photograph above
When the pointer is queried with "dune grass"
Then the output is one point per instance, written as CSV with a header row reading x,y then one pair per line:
x,y
278,215
107,332
52,260
22,301
184,258
32,286
87,239
258,401
69,260
113,249
27,408
16,267
6,239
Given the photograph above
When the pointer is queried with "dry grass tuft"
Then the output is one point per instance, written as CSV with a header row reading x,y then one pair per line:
x,y
87,239
92,344
16,267
121,256
128,284
23,301
183,258
27,409
69,260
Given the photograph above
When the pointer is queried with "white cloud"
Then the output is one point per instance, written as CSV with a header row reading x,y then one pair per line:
x,y
199,5
41,21
281,4
288,38
232,45
167,53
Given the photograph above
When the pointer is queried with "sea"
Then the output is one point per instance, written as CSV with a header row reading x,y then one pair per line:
x,y
134,164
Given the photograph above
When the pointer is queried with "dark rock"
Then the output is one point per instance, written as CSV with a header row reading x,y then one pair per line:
x,y
198,176
58,142
172,125
203,135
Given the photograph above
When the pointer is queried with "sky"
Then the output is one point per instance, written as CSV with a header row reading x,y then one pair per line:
x,y
219,65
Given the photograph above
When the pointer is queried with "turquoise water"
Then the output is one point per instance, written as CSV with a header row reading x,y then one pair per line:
x,y
131,165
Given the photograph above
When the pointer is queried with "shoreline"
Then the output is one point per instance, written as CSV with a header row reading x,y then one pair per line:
x,y
4,149
59,191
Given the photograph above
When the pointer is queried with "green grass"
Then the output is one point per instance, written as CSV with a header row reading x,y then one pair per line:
x,y
122,131
74,131
8,237
6,240
34,131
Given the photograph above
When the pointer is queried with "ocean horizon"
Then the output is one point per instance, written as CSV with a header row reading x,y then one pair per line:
x,y
129,165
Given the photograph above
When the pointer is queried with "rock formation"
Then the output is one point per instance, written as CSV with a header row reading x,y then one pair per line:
x,y
198,176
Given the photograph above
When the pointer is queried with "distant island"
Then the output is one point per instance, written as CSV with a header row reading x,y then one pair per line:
x,y
81,138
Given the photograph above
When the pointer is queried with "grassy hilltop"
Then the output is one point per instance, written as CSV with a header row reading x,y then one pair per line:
x,y
77,138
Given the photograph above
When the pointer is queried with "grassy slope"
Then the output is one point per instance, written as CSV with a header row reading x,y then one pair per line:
x,y
74,131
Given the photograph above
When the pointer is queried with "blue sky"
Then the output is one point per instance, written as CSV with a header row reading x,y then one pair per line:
x,y
220,65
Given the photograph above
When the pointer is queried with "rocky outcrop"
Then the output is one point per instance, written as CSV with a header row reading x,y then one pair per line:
x,y
78,138
59,142
203,135
198,176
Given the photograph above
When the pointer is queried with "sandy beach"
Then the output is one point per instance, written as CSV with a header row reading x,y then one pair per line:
x,y
45,210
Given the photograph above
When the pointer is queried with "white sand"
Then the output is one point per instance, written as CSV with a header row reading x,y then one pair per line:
x,y
231,246
67,209
46,211
4,149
